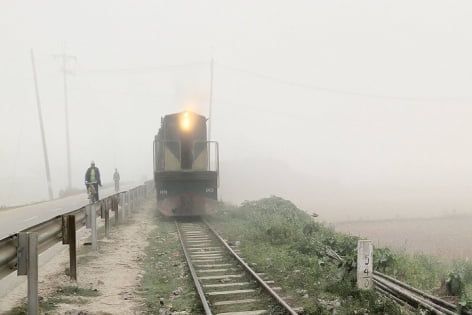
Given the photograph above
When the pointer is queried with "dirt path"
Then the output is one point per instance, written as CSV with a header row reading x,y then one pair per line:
x,y
108,279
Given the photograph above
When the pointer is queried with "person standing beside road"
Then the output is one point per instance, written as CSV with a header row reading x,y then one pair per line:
x,y
116,179
92,177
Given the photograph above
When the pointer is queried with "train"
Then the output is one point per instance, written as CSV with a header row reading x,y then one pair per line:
x,y
186,166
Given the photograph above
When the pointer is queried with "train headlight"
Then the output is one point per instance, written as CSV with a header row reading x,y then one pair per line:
x,y
185,123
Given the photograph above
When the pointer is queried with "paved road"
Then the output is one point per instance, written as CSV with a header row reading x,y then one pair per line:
x,y
17,219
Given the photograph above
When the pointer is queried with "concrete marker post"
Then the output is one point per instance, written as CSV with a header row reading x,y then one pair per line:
x,y
365,268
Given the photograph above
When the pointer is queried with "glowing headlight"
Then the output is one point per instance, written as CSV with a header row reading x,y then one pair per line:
x,y
185,122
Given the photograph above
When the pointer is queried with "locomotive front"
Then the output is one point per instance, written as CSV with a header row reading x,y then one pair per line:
x,y
186,166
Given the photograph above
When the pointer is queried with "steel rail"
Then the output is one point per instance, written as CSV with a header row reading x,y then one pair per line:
x,y
252,272
198,286
433,298
383,284
418,301
385,291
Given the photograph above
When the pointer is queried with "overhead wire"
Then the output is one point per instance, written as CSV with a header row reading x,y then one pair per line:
x,y
335,90
275,79
149,69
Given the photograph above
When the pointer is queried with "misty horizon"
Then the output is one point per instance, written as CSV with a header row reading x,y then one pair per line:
x,y
350,110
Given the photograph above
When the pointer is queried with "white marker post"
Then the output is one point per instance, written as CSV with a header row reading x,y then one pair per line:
x,y
365,268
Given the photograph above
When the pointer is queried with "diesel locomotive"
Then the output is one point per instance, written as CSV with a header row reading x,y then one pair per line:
x,y
186,166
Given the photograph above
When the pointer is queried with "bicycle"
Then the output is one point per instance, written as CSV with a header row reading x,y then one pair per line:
x,y
92,191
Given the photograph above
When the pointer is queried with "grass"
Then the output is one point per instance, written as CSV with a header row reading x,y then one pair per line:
x,y
77,291
45,305
167,284
284,241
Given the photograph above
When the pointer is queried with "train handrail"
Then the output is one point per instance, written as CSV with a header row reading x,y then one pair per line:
x,y
158,167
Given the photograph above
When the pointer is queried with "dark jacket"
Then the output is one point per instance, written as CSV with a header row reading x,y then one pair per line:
x,y
97,175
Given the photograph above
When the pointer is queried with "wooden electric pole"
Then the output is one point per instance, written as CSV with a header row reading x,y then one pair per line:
x,y
43,137
64,58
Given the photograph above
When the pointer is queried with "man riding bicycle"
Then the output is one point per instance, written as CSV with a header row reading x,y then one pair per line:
x,y
92,177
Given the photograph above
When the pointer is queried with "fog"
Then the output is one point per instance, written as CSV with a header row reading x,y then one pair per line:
x,y
350,109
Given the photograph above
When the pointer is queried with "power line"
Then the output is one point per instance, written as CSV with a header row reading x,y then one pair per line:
x,y
150,69
334,90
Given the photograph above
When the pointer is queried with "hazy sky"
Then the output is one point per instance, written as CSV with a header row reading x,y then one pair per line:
x,y
363,107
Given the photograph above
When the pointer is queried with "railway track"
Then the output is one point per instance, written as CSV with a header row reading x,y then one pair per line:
x,y
407,295
225,283
228,286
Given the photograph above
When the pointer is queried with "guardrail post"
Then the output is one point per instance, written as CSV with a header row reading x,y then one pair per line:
x,y
33,305
93,218
68,237
122,206
88,216
130,196
72,247
107,220
364,264
27,257
114,206
118,208
132,200
128,205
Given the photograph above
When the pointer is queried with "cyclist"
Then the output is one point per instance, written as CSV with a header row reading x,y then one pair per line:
x,y
92,177
116,179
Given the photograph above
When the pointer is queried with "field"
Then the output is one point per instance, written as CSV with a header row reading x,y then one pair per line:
x,y
448,237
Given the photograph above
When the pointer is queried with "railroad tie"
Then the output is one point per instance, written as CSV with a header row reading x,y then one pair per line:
x,y
215,270
222,285
220,277
220,303
212,255
203,248
258,312
230,292
206,260
213,265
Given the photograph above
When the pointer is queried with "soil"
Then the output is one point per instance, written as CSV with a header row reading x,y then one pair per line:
x,y
113,273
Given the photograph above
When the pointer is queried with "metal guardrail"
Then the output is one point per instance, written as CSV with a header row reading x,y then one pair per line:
x,y
63,228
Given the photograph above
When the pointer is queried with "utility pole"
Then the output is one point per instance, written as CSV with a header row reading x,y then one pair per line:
x,y
43,137
65,58
211,100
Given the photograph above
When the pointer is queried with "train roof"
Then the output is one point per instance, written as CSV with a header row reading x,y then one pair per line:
x,y
180,113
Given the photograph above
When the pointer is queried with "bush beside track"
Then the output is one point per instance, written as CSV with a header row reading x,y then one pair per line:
x,y
286,242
